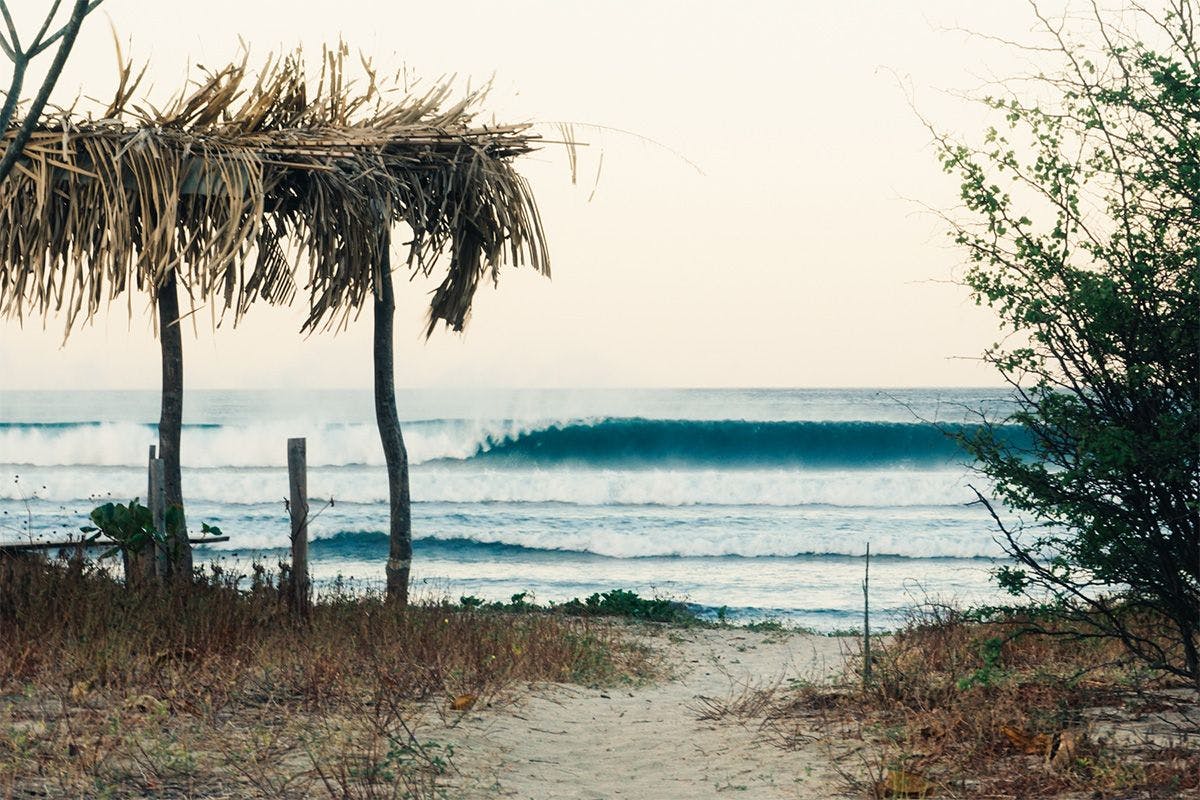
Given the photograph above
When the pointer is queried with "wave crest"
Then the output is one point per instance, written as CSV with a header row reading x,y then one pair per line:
x,y
630,441
598,443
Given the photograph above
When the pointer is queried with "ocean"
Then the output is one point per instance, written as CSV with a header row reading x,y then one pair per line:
x,y
756,502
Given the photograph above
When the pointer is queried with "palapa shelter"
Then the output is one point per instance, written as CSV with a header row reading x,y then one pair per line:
x,y
246,186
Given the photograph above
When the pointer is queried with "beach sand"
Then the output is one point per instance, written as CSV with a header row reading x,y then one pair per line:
x,y
650,741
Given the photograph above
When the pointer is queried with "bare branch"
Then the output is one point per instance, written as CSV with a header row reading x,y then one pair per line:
x,y
12,29
45,25
64,30
34,113
14,95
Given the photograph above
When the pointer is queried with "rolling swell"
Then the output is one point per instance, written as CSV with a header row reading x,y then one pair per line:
x,y
529,546
636,441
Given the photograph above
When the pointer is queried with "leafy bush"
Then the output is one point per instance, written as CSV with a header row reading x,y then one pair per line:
x,y
1080,226
130,526
614,603
622,603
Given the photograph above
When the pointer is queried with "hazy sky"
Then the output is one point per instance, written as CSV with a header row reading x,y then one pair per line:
x,y
798,254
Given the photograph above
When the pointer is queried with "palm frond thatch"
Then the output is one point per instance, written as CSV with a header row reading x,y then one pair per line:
x,y
242,176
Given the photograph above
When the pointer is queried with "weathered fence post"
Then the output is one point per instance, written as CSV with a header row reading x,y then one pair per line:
x,y
159,557
150,474
139,565
298,505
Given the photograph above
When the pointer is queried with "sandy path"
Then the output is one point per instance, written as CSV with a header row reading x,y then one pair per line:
x,y
649,742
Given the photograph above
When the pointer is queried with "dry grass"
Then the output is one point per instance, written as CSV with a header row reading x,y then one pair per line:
x,y
217,692
980,710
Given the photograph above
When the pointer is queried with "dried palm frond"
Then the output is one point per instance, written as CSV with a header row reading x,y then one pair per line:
x,y
245,178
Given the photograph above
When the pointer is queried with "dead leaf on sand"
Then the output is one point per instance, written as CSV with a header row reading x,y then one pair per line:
x,y
1058,751
463,702
1034,744
901,783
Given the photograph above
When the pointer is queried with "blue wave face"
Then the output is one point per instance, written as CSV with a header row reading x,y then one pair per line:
x,y
626,442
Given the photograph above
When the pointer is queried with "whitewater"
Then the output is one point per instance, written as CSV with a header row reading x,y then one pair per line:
x,y
750,503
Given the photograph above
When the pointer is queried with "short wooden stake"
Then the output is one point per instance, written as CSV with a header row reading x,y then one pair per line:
x,y
139,567
298,505
160,558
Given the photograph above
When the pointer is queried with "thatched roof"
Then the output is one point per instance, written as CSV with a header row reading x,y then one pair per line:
x,y
241,177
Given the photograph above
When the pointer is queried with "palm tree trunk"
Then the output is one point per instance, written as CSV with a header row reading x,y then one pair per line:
x,y
400,530
170,424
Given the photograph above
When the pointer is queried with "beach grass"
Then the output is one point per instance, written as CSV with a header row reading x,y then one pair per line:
x,y
962,706
219,691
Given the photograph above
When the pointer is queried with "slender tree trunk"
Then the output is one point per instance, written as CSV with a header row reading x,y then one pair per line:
x,y
170,423
400,531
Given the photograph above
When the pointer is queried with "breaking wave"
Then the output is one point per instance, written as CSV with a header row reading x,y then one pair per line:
x,y
599,443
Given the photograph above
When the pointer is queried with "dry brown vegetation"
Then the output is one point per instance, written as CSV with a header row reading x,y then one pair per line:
x,y
218,692
957,708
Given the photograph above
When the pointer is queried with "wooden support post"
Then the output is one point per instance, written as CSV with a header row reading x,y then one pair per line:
x,y
298,505
158,555
170,425
399,561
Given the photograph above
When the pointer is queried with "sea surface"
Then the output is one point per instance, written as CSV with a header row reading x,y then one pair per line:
x,y
758,502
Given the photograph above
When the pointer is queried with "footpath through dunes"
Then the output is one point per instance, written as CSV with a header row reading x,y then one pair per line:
x,y
650,742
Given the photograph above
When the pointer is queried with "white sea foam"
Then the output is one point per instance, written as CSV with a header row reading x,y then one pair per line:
x,y
343,531
608,512
462,483
751,544
598,540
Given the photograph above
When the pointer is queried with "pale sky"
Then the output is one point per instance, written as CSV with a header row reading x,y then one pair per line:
x,y
798,255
